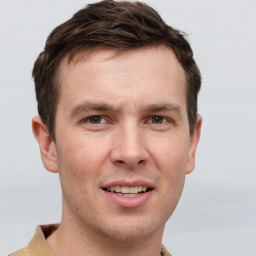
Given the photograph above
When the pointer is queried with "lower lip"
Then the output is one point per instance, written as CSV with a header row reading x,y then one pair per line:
x,y
129,202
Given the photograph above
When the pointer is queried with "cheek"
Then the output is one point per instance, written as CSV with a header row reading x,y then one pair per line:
x,y
79,160
77,170
172,181
171,155
170,158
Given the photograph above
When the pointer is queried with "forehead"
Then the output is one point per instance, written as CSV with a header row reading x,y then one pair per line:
x,y
143,57
145,73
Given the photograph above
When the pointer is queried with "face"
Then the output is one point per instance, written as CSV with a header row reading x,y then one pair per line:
x,y
122,141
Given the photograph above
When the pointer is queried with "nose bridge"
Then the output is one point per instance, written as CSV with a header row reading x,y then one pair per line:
x,y
129,149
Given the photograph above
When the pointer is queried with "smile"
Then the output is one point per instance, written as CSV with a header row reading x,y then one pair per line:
x,y
127,191
128,195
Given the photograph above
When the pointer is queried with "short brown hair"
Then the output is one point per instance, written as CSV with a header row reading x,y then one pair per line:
x,y
120,26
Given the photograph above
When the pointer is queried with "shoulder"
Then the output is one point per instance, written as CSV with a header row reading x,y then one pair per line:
x,y
38,245
164,252
21,252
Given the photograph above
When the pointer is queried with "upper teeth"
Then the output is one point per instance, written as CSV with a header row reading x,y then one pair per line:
x,y
127,190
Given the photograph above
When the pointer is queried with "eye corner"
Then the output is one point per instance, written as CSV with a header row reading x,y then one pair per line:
x,y
94,120
160,122
157,119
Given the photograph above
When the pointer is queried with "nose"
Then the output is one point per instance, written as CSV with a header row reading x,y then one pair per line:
x,y
129,148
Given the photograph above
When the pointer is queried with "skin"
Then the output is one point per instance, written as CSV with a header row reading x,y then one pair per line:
x,y
140,132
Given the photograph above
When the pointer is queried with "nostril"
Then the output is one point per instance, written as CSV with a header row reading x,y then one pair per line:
x,y
129,163
120,162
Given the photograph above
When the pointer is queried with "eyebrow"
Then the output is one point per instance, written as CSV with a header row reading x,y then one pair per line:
x,y
162,107
89,106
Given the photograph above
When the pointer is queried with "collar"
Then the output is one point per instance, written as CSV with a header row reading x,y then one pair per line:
x,y
39,247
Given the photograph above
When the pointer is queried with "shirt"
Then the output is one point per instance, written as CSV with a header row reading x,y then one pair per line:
x,y
39,247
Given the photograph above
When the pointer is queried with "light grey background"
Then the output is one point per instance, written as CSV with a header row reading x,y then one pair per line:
x,y
217,212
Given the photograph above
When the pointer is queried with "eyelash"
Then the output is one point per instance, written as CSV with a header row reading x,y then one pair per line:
x,y
149,119
89,118
161,118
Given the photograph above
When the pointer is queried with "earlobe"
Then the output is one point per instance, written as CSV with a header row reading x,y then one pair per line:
x,y
194,139
46,144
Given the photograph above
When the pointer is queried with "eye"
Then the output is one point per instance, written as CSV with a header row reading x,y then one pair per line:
x,y
95,119
157,120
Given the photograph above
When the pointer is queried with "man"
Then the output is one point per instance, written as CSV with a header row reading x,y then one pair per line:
x,y
117,99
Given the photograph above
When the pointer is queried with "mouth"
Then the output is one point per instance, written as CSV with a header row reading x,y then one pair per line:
x,y
127,191
128,194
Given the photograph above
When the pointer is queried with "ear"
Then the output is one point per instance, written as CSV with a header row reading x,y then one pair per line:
x,y
46,145
194,139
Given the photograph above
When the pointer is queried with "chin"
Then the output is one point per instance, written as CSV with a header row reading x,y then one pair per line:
x,y
135,229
